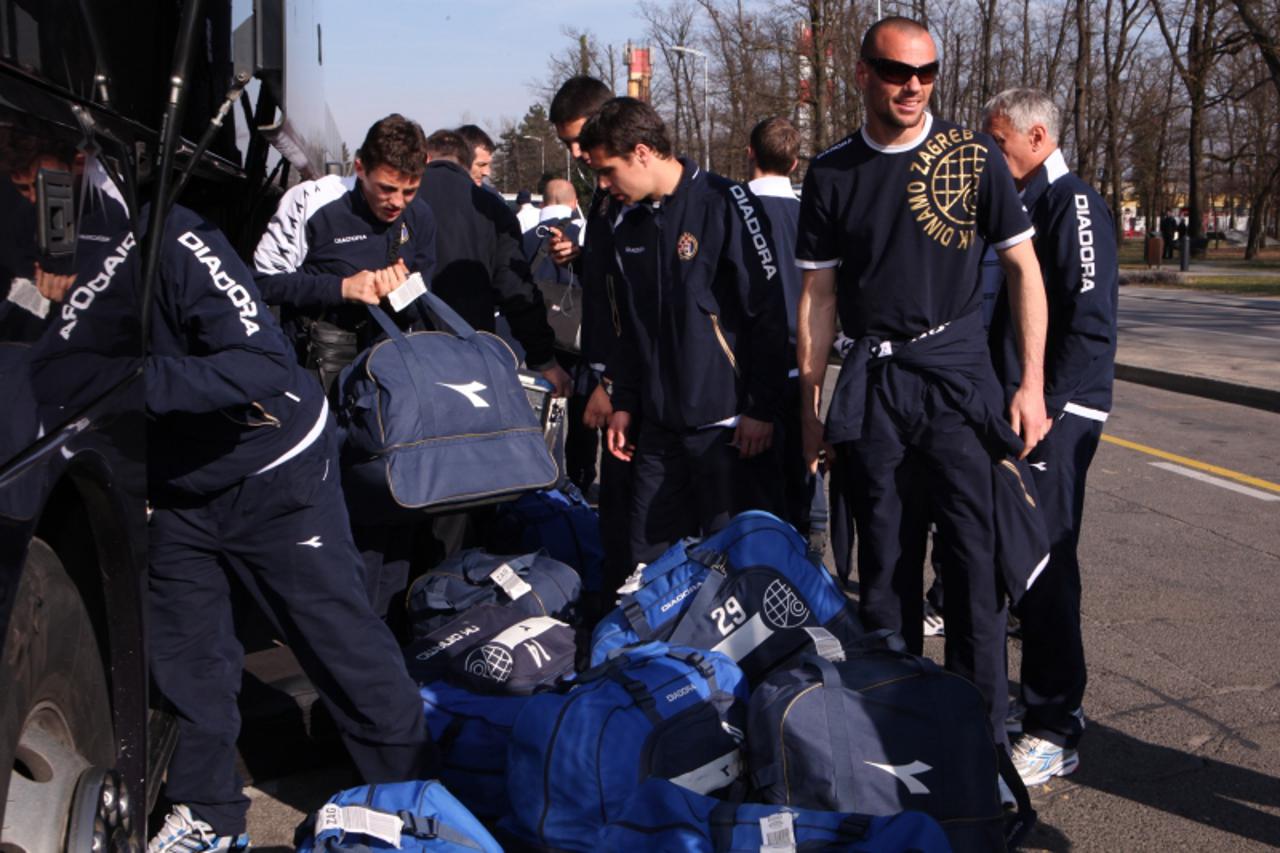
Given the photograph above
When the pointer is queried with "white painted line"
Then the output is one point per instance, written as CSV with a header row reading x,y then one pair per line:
x,y
1216,481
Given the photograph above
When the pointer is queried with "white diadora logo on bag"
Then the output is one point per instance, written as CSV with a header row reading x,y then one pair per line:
x,y
906,774
471,392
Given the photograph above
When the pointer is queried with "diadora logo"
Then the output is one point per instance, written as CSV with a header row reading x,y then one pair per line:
x,y
471,391
456,637
633,250
1084,235
906,774
681,596
82,297
351,238
1040,466
236,292
313,542
682,692
755,229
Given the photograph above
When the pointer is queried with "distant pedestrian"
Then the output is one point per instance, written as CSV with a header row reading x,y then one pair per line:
x,y
1168,230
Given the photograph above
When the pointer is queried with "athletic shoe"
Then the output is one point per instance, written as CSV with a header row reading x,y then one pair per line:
x,y
183,832
1038,760
934,626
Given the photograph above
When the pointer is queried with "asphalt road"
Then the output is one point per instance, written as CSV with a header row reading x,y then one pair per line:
x,y
1180,617
1229,338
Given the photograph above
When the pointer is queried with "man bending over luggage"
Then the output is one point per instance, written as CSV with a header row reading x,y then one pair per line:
x,y
702,358
243,461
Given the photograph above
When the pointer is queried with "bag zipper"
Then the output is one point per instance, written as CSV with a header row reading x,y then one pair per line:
x,y
724,343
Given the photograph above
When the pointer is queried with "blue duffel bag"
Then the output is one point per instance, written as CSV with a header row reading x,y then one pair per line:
x,y
749,591
880,733
558,521
532,584
666,817
472,731
436,421
419,816
577,755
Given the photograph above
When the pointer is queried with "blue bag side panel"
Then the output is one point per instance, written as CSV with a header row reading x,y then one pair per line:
x,y
428,799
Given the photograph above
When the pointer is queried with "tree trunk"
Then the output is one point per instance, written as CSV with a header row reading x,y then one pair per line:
x,y
1080,115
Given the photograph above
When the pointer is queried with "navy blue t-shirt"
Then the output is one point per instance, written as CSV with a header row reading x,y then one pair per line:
x,y
906,225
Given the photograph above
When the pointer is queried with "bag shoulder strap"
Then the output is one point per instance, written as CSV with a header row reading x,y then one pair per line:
x,y
687,624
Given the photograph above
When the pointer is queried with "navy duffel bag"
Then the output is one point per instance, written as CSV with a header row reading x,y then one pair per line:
x,y
437,421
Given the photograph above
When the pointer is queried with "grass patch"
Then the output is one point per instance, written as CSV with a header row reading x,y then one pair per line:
x,y
1236,285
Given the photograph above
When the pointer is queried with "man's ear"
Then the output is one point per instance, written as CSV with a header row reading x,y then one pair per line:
x,y
795,164
1038,135
642,153
359,168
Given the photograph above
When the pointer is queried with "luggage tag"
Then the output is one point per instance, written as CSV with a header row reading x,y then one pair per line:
x,y
510,582
779,833
358,819
408,292
825,644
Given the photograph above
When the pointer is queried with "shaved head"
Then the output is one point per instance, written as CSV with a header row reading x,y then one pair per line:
x,y
559,191
896,23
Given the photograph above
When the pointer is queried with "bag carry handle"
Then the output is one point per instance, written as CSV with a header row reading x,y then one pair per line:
x,y
393,333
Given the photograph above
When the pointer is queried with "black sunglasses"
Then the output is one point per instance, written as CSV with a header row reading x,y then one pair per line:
x,y
899,73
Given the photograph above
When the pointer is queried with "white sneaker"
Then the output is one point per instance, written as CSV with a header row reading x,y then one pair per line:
x,y
1038,760
183,832
934,626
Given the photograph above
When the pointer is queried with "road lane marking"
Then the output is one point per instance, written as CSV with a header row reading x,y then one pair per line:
x,y
1227,473
1216,481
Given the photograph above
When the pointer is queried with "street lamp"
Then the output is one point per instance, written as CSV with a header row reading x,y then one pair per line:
x,y
706,101
543,170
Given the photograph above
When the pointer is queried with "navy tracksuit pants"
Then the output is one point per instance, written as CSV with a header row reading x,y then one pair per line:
x,y
1053,667
918,459
691,482
285,532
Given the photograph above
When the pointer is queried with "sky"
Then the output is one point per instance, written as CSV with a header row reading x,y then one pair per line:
x,y
449,63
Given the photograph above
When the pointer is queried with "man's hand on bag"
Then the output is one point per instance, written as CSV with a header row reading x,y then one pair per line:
x,y
562,249
619,446
389,278
752,437
559,380
361,287
599,409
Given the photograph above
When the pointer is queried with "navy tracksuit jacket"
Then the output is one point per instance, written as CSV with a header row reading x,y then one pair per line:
x,y
703,342
1075,245
244,467
322,232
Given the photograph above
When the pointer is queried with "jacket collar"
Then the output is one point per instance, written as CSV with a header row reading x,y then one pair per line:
x,y
778,186
1053,168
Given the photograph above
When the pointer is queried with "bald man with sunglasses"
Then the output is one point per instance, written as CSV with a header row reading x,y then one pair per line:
x,y
893,222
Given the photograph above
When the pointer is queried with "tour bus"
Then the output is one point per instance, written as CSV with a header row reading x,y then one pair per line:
x,y
111,107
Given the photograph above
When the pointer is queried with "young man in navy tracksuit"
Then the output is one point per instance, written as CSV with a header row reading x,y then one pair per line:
x,y
893,221
1076,247
596,266
772,157
243,477
702,357
334,247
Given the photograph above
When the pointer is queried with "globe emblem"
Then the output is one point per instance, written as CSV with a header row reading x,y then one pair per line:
x,y
492,662
954,183
783,607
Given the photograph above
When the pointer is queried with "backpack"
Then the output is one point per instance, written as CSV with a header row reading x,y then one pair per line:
x,y
436,421
663,816
494,649
558,521
880,733
472,731
398,816
577,755
749,591
531,584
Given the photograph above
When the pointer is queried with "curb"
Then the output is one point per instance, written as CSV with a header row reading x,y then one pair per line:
x,y
1252,396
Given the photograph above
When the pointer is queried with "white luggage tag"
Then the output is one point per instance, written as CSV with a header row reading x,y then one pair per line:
x,y
510,582
779,833
404,295
358,819
826,644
